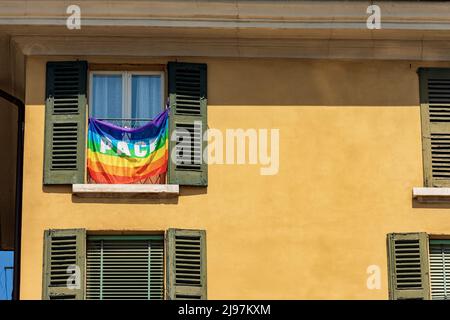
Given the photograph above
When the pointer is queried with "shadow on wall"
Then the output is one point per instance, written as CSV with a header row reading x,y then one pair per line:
x,y
130,200
430,205
294,82
289,82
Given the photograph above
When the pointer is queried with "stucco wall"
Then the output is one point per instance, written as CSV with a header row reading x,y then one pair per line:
x,y
350,154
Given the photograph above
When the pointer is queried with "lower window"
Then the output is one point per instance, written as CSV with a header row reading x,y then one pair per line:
x,y
170,265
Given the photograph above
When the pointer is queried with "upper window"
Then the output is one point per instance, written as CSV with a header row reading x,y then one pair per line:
x,y
127,99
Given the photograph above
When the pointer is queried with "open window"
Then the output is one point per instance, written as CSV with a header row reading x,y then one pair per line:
x,y
128,99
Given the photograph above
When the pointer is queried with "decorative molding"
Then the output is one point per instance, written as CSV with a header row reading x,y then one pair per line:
x,y
125,190
273,14
251,48
411,30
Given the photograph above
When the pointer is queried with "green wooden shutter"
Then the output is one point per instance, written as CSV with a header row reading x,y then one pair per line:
x,y
408,266
188,119
63,249
186,264
125,267
435,115
65,122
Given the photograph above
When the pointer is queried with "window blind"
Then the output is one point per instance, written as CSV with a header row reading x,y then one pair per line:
x,y
440,269
125,267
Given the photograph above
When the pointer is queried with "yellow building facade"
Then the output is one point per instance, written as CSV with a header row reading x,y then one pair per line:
x,y
348,111
350,155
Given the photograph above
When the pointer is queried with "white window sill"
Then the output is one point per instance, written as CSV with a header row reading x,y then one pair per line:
x,y
126,190
431,195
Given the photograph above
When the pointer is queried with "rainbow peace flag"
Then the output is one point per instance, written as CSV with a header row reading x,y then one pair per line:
x,y
121,155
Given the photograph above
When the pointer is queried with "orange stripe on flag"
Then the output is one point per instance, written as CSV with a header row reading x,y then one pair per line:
x,y
102,177
126,171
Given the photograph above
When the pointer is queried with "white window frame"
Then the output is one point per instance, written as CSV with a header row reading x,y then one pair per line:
x,y
126,88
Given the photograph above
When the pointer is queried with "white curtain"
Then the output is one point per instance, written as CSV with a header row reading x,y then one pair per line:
x,y
145,96
107,96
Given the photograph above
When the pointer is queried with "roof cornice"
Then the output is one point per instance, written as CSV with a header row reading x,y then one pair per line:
x,y
396,15
411,30
251,48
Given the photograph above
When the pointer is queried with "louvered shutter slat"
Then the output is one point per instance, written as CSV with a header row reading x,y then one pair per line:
x,y
63,249
65,122
435,114
408,266
188,122
186,260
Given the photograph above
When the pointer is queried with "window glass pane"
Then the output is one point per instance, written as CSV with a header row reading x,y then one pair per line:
x,y
146,96
106,96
